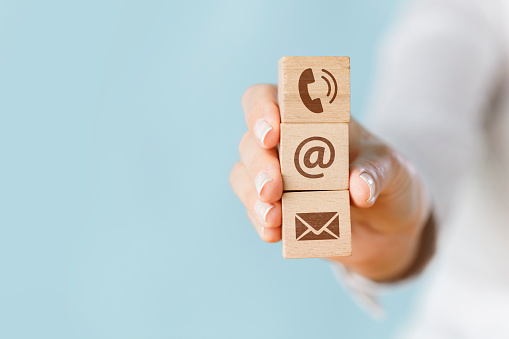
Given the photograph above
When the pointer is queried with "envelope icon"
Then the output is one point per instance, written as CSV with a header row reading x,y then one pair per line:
x,y
317,226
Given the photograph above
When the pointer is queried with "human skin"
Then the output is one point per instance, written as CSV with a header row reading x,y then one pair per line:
x,y
389,204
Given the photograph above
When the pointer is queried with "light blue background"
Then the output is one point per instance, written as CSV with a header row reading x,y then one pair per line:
x,y
119,123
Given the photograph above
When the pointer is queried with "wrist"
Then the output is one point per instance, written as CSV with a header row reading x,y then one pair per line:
x,y
406,255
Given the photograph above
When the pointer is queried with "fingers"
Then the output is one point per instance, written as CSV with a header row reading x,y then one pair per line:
x,y
376,170
262,114
256,180
272,234
265,217
367,176
373,166
263,168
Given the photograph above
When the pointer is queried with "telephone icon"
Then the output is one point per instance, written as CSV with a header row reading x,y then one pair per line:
x,y
306,78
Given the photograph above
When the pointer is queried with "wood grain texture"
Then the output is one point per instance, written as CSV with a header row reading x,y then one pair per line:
x,y
316,224
325,79
314,156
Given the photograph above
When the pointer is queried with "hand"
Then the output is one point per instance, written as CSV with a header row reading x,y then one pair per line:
x,y
389,205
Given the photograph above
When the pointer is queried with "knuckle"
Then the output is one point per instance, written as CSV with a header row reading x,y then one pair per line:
x,y
396,160
369,165
273,106
243,142
275,220
245,96
257,107
383,161
401,166
264,103
267,164
258,99
248,93
234,173
258,163
252,219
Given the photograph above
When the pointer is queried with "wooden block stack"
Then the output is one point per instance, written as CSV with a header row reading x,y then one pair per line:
x,y
314,100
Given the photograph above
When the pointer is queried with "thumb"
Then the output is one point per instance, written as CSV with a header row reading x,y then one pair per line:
x,y
372,173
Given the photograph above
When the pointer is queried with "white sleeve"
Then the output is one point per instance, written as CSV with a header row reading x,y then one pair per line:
x,y
437,74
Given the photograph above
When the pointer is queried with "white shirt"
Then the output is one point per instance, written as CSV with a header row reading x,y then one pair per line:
x,y
442,99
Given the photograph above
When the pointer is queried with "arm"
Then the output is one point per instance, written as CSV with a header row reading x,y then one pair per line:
x,y
391,208
438,73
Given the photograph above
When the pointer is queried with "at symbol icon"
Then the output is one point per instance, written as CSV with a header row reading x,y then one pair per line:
x,y
320,155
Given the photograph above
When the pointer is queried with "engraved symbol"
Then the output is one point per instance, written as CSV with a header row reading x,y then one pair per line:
x,y
320,155
317,226
306,78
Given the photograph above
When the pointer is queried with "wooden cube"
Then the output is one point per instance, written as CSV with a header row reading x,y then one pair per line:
x,y
314,156
314,89
316,224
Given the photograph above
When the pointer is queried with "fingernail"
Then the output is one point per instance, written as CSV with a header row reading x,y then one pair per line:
x,y
371,184
262,209
261,179
263,230
261,129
